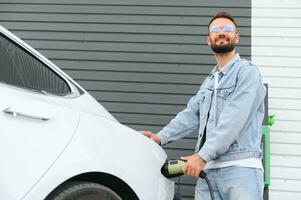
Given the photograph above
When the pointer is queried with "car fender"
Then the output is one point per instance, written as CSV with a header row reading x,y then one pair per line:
x,y
106,146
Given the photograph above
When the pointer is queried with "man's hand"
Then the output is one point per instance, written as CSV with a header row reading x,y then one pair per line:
x,y
152,136
193,166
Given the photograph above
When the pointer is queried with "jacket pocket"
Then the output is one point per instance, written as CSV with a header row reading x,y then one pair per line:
x,y
223,96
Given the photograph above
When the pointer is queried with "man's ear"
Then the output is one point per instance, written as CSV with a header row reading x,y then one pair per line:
x,y
237,38
208,41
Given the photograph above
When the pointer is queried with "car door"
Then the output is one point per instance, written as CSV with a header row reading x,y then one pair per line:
x,y
36,118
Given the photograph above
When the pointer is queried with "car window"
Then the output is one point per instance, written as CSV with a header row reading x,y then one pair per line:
x,y
21,69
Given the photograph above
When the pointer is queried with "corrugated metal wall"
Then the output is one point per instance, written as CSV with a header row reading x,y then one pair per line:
x,y
142,59
276,41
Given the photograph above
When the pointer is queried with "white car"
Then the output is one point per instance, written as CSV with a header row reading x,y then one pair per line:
x,y
58,143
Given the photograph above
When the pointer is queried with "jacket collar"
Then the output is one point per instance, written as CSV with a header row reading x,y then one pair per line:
x,y
227,66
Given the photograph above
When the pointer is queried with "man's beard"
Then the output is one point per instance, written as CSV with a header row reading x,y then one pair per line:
x,y
223,48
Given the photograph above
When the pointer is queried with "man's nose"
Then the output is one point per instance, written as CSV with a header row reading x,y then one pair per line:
x,y
221,35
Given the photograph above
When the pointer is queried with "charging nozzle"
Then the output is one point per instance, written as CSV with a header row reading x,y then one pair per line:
x,y
172,168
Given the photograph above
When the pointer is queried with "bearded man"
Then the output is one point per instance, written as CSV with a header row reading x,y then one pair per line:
x,y
227,111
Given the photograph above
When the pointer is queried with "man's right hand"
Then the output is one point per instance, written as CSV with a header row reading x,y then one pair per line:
x,y
152,136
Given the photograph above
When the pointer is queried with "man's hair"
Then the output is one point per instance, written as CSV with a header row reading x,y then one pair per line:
x,y
222,15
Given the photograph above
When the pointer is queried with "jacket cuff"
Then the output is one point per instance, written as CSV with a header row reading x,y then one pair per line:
x,y
205,155
163,140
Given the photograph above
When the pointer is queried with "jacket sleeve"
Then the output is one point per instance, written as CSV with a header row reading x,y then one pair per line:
x,y
184,123
248,95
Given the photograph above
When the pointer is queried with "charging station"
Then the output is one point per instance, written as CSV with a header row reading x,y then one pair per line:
x,y
267,122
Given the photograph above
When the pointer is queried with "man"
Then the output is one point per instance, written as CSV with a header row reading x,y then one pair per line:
x,y
227,111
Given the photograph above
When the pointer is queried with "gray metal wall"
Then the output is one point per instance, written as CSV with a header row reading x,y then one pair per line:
x,y
142,59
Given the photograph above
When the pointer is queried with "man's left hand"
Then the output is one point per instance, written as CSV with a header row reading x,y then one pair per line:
x,y
194,165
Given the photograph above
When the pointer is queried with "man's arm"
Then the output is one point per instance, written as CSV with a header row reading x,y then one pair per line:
x,y
184,123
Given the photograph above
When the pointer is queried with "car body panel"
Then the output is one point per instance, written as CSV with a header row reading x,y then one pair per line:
x,y
116,150
29,146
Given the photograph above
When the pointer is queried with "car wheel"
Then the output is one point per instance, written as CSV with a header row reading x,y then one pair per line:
x,y
83,191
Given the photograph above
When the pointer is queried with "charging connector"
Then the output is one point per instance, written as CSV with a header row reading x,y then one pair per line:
x,y
173,168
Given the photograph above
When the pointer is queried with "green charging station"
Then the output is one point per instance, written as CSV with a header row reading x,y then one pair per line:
x,y
266,160
267,123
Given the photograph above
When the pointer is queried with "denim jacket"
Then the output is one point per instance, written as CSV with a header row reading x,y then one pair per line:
x,y
233,130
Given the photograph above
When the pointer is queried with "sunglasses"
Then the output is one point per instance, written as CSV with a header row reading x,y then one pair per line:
x,y
216,29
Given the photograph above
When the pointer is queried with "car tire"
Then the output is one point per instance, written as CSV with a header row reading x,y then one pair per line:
x,y
84,191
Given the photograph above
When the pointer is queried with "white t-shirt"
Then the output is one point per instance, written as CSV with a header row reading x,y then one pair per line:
x,y
248,162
